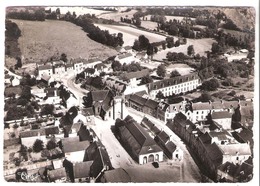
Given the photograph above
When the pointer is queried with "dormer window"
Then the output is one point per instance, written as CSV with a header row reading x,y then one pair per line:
x,y
150,148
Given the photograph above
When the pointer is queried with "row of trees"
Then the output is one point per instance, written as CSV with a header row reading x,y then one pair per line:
x,y
34,15
132,67
96,33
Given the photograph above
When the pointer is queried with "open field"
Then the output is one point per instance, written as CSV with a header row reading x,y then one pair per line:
x,y
130,34
183,69
149,25
117,15
200,46
41,40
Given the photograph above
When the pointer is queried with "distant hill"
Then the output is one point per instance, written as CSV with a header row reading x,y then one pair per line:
x,y
41,40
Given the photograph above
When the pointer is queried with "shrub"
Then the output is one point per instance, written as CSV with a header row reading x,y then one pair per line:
x,y
38,145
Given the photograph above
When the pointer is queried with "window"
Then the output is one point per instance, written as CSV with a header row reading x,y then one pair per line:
x,y
197,112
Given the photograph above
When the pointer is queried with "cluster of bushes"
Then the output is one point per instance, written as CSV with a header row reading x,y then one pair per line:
x,y
36,15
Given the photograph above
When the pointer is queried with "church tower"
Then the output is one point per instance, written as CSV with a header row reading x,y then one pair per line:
x,y
119,110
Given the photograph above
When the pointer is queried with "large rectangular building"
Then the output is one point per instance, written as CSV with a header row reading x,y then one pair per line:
x,y
174,85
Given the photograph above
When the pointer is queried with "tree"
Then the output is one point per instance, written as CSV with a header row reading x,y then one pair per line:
x,y
47,109
26,93
175,73
210,85
23,152
150,50
190,50
18,62
160,95
116,66
38,145
63,57
51,144
205,97
146,79
161,70
136,45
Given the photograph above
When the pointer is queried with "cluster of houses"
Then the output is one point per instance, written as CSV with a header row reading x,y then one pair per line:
x,y
215,147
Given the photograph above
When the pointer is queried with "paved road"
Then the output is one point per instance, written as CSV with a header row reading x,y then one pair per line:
x,y
191,172
118,155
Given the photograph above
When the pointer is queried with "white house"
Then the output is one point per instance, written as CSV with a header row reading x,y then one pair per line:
x,y
45,69
174,85
199,112
15,81
78,65
91,63
73,149
71,101
126,58
59,69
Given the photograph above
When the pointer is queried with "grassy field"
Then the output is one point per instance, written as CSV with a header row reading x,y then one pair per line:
x,y
130,34
79,10
41,40
168,18
117,15
200,46
149,25
183,69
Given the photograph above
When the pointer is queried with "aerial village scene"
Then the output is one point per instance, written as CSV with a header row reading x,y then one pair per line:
x,y
132,94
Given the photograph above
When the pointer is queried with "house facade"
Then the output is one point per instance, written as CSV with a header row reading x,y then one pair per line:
x,y
45,69
174,85
126,58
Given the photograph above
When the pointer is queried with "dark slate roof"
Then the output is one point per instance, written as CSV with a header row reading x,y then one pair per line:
x,y
52,130
163,137
101,161
128,47
78,60
220,135
151,104
205,138
45,67
117,176
172,81
82,169
137,99
69,65
32,133
246,135
57,174
99,66
170,146
217,105
221,115
144,140
233,149
91,151
99,95
214,153
137,74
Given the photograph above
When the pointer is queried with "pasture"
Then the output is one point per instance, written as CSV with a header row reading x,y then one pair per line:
x,y
116,16
200,47
130,34
41,40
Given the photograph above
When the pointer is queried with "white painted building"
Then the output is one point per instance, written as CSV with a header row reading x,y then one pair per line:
x,y
126,58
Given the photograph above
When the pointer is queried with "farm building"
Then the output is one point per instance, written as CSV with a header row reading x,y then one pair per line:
x,y
126,58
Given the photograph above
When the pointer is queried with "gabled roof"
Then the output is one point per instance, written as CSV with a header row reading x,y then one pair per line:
x,y
201,106
141,93
126,55
128,47
75,146
151,104
245,135
214,153
46,77
117,176
221,115
205,138
32,133
170,146
69,65
99,95
57,174
45,67
91,151
145,142
76,126
82,169
164,138
172,81
233,149
217,105
101,161
220,135
137,74
137,99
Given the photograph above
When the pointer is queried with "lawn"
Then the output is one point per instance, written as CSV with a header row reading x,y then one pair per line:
x,y
41,40
149,25
200,47
183,69
130,34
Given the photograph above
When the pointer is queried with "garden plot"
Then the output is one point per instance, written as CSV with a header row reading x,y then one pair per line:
x,y
130,34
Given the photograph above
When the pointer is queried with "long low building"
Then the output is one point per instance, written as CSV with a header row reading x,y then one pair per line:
x,y
137,141
174,85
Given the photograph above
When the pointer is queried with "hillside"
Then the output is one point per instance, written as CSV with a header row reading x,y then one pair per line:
x,y
41,40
